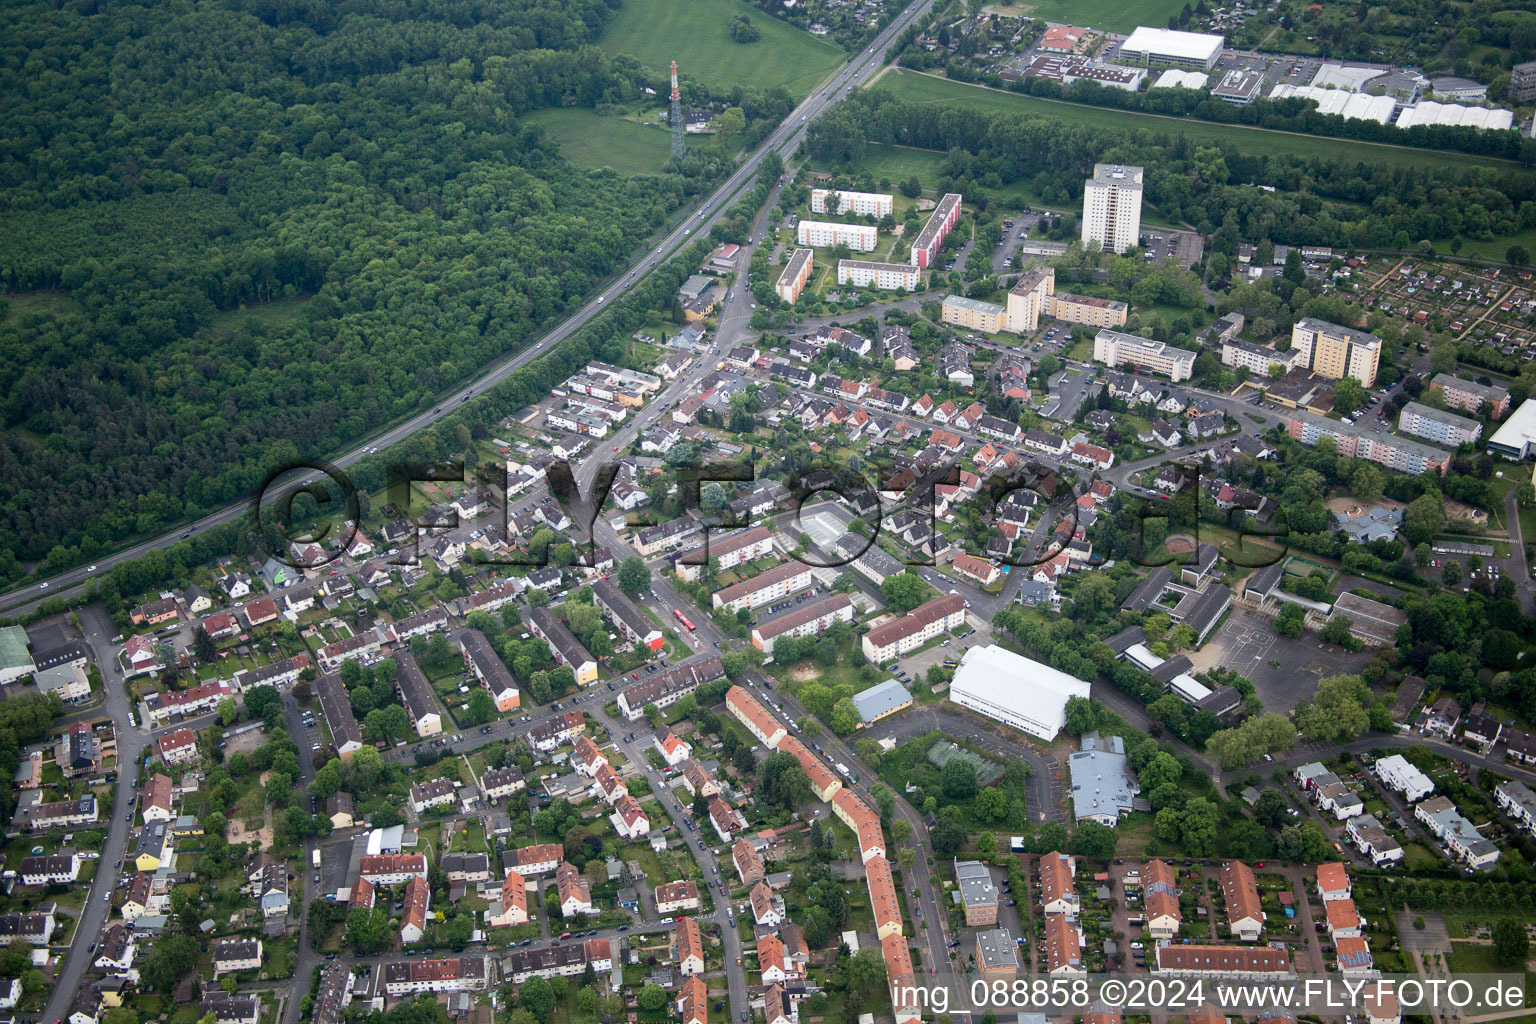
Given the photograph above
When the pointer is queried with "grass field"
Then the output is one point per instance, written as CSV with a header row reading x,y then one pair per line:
x,y
695,33
1111,15
592,140
921,88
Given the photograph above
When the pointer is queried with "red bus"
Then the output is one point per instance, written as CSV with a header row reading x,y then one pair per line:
x,y
684,620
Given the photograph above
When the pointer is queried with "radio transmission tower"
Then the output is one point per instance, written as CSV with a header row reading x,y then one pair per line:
x,y
679,149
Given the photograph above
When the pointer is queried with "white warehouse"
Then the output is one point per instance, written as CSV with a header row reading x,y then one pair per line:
x,y
819,234
1015,690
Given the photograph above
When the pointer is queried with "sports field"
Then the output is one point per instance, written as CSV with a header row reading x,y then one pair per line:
x,y
696,34
591,140
921,88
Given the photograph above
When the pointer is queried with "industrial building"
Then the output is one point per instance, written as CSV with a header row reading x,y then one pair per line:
x,y
1516,437
1352,106
1161,46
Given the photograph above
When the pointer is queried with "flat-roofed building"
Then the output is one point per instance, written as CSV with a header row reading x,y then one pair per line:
x,y
1088,310
871,273
925,247
978,893
842,202
1256,358
1112,207
795,274
1437,425
973,314
1115,348
1335,351
1469,396
1161,46
1029,299
1356,441
819,234
996,952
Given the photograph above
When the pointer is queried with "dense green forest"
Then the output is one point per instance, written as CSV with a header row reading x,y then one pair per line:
x,y
1212,187
353,174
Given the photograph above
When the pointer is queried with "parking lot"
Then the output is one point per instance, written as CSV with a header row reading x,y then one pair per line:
x,y
1184,247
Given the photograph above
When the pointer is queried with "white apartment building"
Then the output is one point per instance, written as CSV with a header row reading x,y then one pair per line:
x,y
1256,358
1115,347
1401,777
1112,207
1446,428
819,234
873,204
867,273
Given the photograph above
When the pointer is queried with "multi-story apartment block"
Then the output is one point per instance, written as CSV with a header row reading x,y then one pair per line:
x,y
978,893
867,273
1112,207
1114,348
1088,310
568,651
750,713
1437,425
456,974
727,551
910,631
1030,299
819,234
492,673
925,247
632,623
667,688
1256,358
796,272
804,620
1522,82
1354,442
973,314
392,868
780,581
1336,351
839,202
416,694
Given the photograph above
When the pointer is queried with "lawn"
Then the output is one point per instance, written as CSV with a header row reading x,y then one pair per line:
x,y
590,139
920,88
696,33
1111,15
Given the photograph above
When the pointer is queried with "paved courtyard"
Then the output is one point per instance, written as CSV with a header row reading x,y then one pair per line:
x,y
1284,670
